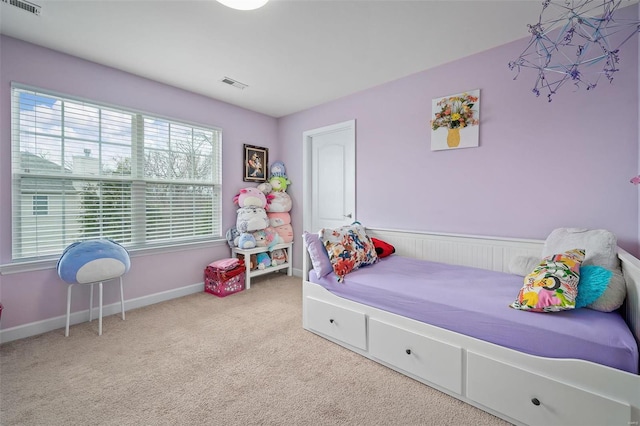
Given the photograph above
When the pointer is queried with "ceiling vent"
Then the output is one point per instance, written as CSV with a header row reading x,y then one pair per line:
x,y
24,5
234,83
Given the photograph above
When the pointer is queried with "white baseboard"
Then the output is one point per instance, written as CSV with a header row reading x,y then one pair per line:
x,y
44,326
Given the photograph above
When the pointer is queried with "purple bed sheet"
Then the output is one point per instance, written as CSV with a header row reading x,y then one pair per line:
x,y
475,302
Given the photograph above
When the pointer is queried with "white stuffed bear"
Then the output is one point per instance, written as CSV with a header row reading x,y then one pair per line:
x,y
251,219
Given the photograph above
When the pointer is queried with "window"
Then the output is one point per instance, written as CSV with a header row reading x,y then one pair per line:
x,y
82,170
40,204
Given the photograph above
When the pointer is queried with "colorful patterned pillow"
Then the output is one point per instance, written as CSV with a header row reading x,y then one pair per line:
x,y
348,248
553,285
601,248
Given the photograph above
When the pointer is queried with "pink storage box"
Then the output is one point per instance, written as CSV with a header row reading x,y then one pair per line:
x,y
223,283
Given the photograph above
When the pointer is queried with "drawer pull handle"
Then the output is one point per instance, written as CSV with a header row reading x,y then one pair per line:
x,y
408,351
331,320
535,401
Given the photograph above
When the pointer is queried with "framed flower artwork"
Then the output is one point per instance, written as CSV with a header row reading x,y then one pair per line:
x,y
256,161
455,121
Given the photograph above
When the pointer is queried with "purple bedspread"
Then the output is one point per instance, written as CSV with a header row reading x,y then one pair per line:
x,y
475,302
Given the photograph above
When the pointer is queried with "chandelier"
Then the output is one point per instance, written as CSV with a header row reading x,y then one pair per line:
x,y
567,46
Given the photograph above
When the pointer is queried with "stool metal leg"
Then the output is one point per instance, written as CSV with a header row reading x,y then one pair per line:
x,y
91,304
100,311
66,330
121,299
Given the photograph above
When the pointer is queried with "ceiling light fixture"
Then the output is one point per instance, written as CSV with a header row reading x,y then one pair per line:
x,y
580,34
243,4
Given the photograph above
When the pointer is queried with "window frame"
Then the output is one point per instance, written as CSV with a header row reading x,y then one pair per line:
x,y
137,179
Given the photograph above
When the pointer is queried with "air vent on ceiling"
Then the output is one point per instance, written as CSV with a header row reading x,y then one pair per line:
x,y
24,5
234,83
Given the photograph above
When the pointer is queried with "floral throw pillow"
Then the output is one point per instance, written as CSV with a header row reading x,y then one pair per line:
x,y
348,248
553,284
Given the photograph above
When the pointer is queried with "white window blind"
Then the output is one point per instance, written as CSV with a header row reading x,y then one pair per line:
x,y
82,170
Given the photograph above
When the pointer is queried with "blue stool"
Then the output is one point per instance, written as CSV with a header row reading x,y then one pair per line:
x,y
91,262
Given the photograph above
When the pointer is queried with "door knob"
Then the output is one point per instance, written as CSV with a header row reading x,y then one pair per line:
x,y
348,215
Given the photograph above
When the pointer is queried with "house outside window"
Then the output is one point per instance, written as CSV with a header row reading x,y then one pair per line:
x,y
83,170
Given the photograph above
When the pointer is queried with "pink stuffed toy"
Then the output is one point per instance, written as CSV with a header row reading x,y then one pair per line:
x,y
251,197
267,237
285,232
278,219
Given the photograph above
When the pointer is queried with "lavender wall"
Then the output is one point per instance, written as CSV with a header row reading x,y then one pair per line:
x,y
34,296
539,166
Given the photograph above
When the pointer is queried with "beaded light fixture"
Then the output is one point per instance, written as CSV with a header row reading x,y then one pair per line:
x,y
566,46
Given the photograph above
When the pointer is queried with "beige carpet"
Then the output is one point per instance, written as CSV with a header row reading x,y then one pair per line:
x,y
202,360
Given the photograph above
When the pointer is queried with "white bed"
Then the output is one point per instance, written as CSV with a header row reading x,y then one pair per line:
x,y
520,388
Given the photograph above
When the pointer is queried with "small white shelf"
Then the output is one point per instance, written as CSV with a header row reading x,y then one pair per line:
x,y
288,265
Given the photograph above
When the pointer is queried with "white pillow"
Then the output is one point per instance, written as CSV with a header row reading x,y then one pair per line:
x,y
523,265
601,248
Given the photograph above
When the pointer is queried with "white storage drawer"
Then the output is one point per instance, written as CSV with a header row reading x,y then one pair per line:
x,y
434,361
538,400
337,322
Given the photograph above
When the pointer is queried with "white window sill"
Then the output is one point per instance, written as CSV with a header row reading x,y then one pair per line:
x,y
50,263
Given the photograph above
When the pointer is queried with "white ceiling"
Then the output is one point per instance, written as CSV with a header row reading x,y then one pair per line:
x,y
292,54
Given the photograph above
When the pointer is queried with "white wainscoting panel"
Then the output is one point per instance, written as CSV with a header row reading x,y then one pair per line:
x,y
467,250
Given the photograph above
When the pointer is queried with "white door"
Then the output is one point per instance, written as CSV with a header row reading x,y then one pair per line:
x,y
329,176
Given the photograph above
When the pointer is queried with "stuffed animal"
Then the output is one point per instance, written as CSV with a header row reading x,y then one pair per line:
x,y
267,237
93,260
285,232
246,241
278,257
265,188
232,236
278,219
261,238
281,202
250,197
277,169
263,260
251,219
279,183
253,262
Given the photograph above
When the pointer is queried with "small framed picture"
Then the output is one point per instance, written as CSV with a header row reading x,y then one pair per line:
x,y
455,121
256,161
